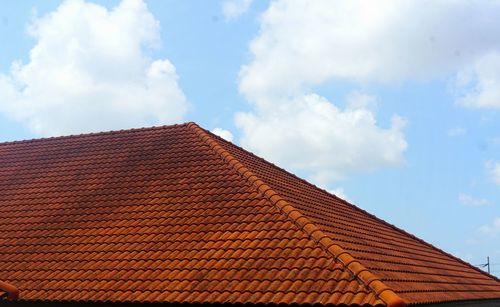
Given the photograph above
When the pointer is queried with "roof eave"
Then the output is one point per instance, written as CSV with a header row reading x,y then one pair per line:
x,y
11,291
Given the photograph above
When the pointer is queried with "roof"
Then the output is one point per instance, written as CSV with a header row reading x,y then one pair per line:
x,y
177,214
8,291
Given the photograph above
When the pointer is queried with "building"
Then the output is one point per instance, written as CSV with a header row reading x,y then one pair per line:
x,y
176,215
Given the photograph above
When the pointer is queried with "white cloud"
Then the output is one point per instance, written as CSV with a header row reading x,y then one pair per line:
x,y
493,229
223,133
232,9
310,133
457,131
479,85
493,168
357,100
303,43
339,192
495,141
470,201
90,70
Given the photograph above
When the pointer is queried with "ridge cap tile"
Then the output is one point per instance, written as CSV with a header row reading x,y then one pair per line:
x,y
116,248
381,290
166,213
388,224
314,201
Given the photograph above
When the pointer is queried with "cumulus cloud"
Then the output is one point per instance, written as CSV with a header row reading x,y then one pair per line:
x,y
470,201
223,133
303,43
312,134
91,70
339,192
492,229
232,9
493,168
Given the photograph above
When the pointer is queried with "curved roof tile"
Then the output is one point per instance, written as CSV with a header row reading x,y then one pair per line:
x,y
176,214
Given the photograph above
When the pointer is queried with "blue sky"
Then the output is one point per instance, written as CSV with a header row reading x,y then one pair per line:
x,y
396,108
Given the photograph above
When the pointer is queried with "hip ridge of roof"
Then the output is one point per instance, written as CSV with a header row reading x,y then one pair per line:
x,y
402,231
358,270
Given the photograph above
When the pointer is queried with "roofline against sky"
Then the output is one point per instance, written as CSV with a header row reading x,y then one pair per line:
x,y
359,271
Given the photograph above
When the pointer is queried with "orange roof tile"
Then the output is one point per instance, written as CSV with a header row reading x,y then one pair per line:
x,y
176,214
8,291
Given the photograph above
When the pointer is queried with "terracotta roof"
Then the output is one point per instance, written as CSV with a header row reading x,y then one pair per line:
x,y
8,291
176,214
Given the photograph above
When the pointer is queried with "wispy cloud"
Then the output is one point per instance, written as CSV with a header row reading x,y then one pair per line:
x,y
492,229
457,131
493,168
357,100
470,201
233,9
479,84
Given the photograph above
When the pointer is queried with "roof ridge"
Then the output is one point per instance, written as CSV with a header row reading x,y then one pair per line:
x,y
88,134
402,231
360,272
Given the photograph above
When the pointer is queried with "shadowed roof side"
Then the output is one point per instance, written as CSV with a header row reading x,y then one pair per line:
x,y
155,215
177,214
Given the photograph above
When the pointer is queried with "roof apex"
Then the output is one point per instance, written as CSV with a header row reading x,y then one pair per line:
x,y
355,267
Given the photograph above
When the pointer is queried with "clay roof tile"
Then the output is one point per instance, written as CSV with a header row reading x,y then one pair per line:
x,y
176,214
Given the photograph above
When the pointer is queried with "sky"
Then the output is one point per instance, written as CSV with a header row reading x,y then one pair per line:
x,y
394,106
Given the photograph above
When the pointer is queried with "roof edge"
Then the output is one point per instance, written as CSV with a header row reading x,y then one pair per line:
x,y
11,291
346,202
359,271
90,134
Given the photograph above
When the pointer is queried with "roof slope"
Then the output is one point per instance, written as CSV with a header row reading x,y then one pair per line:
x,y
154,215
417,271
176,214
